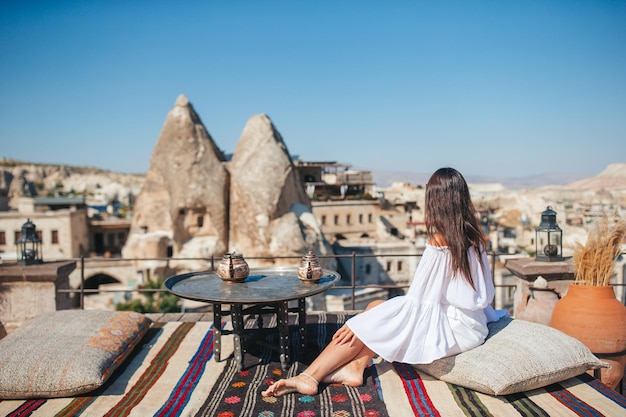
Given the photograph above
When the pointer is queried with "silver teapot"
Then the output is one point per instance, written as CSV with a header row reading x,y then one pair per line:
x,y
233,267
310,269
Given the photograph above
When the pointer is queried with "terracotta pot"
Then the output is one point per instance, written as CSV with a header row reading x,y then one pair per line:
x,y
613,375
594,316
537,305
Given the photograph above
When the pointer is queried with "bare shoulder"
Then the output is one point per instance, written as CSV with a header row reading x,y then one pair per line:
x,y
437,240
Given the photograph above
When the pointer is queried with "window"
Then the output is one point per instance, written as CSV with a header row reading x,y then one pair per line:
x,y
323,220
399,266
509,233
360,219
17,235
336,220
54,237
348,219
368,269
388,266
200,221
369,218
3,238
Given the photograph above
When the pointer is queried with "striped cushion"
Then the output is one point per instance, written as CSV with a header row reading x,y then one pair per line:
x,y
517,356
66,353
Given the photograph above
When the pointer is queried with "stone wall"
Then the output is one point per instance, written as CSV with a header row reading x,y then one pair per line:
x,y
27,291
539,286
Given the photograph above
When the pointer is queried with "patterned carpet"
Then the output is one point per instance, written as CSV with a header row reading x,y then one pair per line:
x,y
173,373
238,393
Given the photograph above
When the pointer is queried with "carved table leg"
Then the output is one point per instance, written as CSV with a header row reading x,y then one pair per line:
x,y
217,331
283,334
238,340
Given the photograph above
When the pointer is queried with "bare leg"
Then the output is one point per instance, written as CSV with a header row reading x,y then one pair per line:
x,y
352,372
329,366
331,358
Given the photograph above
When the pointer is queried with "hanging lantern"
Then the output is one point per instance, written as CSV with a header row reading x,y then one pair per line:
x,y
549,238
29,245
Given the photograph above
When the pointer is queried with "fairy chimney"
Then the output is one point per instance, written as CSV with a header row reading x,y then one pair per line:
x,y
183,205
270,213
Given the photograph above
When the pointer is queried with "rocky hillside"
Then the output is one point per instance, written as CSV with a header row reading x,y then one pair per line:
x,y
613,177
49,179
41,180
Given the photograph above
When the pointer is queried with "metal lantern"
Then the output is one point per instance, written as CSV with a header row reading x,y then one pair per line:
x,y
549,238
29,245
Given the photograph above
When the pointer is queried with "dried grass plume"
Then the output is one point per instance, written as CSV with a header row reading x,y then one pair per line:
x,y
595,260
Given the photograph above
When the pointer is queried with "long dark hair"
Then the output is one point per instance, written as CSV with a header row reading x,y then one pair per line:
x,y
451,214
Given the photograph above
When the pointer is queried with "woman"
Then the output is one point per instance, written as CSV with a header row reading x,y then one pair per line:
x,y
445,311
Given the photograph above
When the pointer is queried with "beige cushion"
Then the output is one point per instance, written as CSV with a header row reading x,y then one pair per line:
x,y
67,352
517,356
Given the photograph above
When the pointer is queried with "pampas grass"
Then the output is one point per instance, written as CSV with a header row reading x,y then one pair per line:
x,y
595,260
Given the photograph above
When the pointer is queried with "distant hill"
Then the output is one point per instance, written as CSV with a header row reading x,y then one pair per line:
x,y
386,178
56,179
613,177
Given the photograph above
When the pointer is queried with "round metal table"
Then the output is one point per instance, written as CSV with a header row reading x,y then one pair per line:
x,y
264,291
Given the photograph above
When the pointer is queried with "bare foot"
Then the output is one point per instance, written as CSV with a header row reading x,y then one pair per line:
x,y
303,383
350,374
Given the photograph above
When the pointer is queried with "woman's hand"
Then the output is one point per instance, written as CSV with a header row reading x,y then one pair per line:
x,y
345,335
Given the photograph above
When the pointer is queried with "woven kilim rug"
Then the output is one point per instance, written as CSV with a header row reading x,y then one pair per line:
x,y
238,393
173,373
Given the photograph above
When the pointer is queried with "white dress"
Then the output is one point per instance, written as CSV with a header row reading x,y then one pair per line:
x,y
440,316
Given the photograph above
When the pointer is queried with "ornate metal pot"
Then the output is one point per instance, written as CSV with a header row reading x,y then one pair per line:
x,y
233,268
310,269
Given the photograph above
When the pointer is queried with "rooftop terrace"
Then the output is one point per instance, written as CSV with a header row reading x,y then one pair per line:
x,y
174,372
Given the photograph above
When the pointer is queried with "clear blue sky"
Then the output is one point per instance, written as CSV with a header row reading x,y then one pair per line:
x,y
506,88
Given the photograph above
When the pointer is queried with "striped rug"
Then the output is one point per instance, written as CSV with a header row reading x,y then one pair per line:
x,y
168,375
408,392
173,373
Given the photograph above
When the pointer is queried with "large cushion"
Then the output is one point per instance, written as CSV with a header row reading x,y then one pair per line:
x,y
66,353
517,356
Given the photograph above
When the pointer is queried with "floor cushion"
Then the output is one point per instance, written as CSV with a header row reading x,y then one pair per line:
x,y
67,352
517,356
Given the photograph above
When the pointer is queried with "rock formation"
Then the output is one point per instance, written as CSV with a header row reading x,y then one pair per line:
x,y
183,205
47,180
270,213
612,178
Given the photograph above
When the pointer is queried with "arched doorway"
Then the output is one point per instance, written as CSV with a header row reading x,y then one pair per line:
x,y
110,292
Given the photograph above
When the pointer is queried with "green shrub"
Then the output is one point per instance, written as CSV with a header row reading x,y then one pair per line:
x,y
152,302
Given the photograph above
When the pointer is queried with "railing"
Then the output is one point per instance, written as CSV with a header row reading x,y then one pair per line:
x,y
352,286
